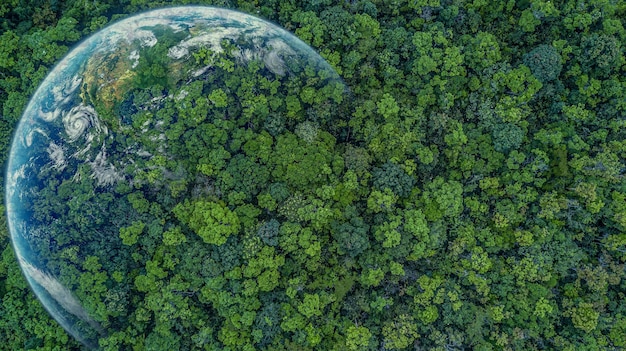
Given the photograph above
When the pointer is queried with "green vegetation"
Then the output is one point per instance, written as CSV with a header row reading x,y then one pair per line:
x,y
468,193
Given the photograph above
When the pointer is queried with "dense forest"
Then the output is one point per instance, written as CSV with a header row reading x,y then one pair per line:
x,y
465,191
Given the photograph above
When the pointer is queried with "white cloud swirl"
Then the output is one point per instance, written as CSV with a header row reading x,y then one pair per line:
x,y
78,120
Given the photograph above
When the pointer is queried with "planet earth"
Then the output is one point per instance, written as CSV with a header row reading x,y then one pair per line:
x,y
140,140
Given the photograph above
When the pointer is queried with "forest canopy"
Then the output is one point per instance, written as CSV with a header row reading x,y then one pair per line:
x,y
468,191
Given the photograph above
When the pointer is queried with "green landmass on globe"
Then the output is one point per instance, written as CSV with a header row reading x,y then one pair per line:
x,y
394,175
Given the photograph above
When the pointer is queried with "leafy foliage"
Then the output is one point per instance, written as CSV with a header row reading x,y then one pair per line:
x,y
468,193
393,177
545,63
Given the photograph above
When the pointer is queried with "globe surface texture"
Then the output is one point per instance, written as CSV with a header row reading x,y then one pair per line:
x,y
138,136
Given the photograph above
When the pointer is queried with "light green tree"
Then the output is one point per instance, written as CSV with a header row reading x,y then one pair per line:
x,y
399,333
130,234
212,221
357,337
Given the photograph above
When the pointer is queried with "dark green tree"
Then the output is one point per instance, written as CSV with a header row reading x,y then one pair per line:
x,y
507,137
393,177
544,62
600,54
352,236
268,232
